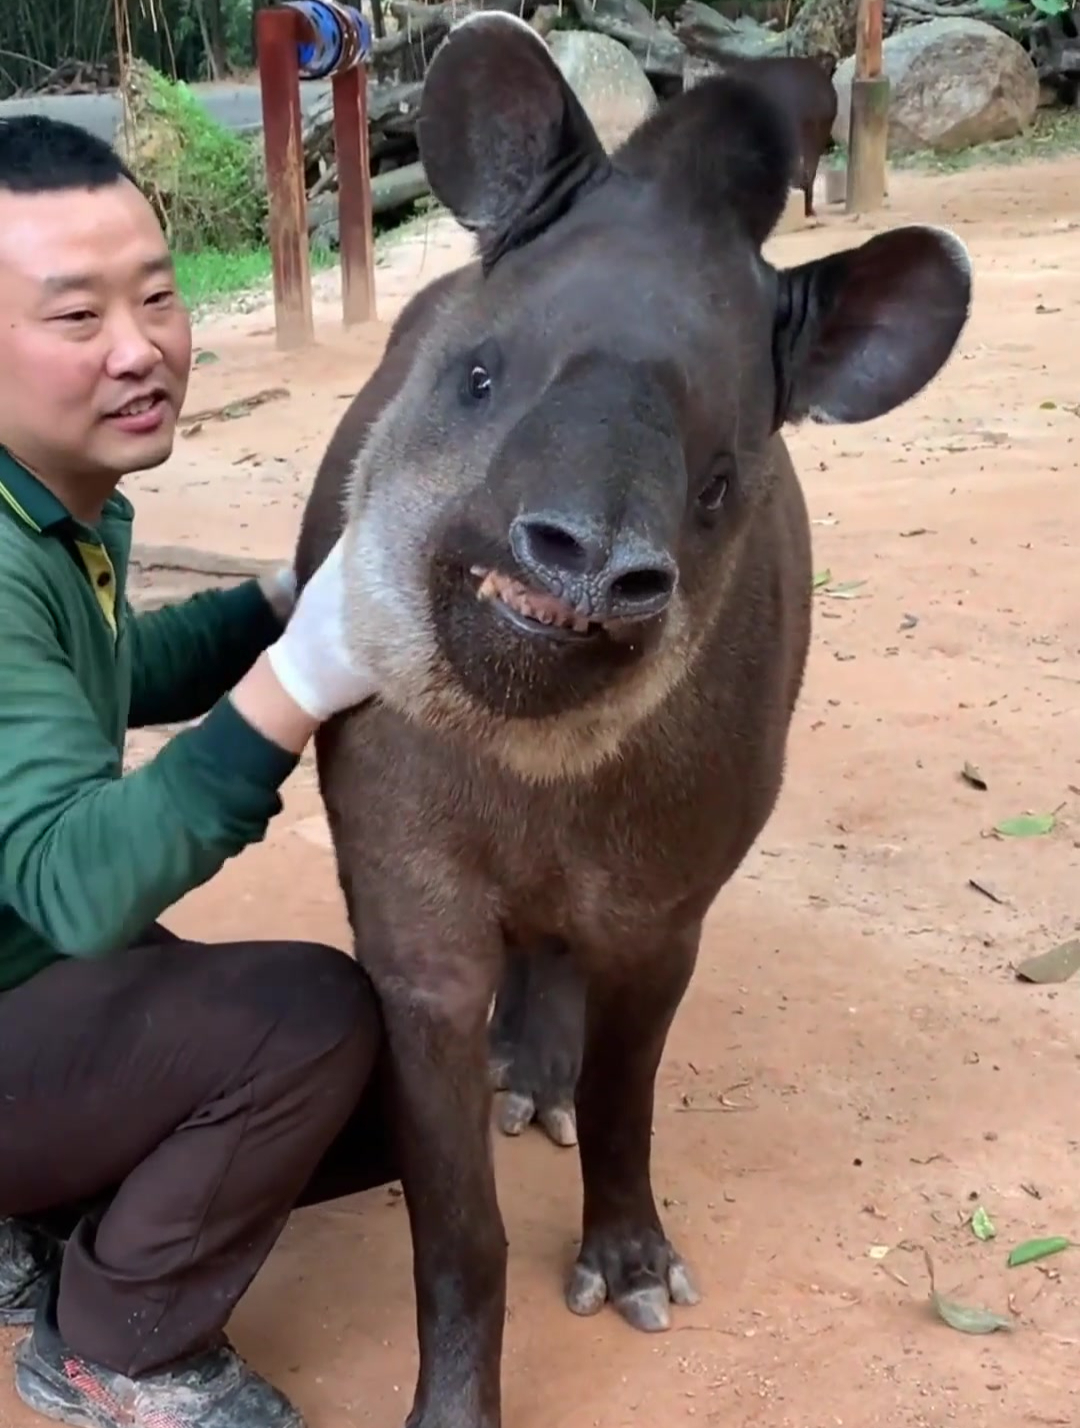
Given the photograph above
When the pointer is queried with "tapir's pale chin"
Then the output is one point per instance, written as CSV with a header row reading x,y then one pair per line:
x,y
476,655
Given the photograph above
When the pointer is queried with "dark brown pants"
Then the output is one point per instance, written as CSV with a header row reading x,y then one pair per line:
x,y
192,1096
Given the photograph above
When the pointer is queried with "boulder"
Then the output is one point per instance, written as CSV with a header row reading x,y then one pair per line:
x,y
607,79
953,83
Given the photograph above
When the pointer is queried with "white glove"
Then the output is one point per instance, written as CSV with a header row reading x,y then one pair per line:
x,y
312,659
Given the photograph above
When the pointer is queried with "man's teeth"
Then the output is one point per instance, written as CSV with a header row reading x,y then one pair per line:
x,y
137,408
544,609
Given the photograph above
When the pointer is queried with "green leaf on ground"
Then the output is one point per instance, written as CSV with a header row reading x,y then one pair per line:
x,y
982,1226
1032,1250
1026,825
845,589
1057,965
961,1317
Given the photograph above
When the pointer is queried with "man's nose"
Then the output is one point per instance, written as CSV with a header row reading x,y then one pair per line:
x,y
132,353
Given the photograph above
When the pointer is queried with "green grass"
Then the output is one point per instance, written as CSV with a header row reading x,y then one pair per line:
x,y
1055,134
209,277
212,277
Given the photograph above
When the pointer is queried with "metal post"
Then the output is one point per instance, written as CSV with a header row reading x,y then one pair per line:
x,y
277,34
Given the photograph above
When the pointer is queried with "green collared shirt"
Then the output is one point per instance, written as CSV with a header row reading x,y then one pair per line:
x,y
89,859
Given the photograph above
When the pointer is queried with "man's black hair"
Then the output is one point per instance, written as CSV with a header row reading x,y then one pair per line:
x,y
41,155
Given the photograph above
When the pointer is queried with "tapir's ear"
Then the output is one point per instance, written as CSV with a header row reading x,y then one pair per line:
x,y
721,152
862,331
504,141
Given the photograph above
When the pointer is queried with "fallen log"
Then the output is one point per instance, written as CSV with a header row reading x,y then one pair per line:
x,y
389,192
705,32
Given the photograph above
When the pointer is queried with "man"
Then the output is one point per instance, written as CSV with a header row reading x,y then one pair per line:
x,y
164,1105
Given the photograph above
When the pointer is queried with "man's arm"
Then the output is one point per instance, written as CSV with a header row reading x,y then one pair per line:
x,y
90,859
186,656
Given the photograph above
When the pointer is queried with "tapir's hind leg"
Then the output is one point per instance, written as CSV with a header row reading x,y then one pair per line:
x,y
536,1035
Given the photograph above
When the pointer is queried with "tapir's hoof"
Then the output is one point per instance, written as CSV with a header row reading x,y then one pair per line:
x,y
535,1040
642,1276
519,1110
520,1107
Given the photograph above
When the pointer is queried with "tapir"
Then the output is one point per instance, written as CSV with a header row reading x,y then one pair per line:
x,y
579,562
802,88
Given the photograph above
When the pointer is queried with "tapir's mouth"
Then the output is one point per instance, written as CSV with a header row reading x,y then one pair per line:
x,y
534,612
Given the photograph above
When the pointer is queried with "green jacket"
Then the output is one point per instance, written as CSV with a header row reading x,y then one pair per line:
x,y
89,859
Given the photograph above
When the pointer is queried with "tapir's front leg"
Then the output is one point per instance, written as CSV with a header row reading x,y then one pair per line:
x,y
435,981
625,1256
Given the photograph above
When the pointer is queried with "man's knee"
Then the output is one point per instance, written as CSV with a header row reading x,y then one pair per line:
x,y
316,1004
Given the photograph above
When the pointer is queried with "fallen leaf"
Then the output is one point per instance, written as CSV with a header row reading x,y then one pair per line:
x,y
845,590
878,1251
1047,406
917,531
982,1226
205,357
822,578
970,774
1026,825
1031,1250
1057,965
909,622
960,1317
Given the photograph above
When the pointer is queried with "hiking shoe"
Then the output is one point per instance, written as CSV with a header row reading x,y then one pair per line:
x,y
215,1389
29,1261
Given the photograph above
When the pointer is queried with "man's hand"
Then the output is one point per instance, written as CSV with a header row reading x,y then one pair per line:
x,y
279,588
312,659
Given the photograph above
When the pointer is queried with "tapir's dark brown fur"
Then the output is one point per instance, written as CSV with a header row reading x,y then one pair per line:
x,y
561,773
802,89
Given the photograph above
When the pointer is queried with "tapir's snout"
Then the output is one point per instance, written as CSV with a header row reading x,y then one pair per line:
x,y
606,576
593,488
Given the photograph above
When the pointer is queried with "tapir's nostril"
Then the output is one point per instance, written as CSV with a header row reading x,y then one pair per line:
x,y
622,575
549,544
643,586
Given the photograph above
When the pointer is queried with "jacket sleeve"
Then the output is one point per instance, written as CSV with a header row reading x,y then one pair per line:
x,y
186,656
89,858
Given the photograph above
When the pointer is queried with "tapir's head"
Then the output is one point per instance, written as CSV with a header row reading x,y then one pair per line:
x,y
547,518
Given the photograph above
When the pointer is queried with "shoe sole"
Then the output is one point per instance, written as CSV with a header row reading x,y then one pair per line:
x,y
41,1391
13,1318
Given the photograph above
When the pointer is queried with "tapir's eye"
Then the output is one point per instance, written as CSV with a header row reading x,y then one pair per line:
x,y
479,382
717,484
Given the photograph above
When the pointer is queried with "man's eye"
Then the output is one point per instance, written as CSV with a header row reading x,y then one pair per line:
x,y
165,295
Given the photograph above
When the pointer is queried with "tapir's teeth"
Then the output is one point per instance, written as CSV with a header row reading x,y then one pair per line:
x,y
533,604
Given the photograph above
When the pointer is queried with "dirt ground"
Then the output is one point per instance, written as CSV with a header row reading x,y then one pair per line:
x,y
856,1065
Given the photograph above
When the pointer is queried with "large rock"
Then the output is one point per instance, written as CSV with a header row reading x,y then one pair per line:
x,y
607,79
953,83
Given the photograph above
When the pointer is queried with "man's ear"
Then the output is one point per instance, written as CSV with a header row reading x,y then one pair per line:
x,y
504,141
862,331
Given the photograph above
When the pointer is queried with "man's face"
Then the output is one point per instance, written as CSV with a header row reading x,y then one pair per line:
x,y
95,343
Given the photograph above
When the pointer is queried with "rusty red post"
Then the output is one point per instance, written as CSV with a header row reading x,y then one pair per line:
x,y
277,33
355,225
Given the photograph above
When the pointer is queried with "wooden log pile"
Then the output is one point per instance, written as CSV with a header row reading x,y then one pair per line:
x,y
668,51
